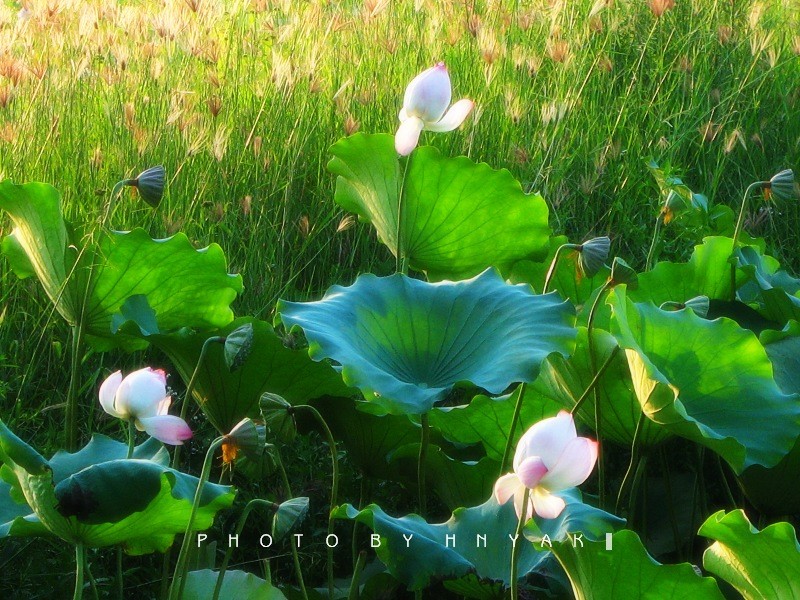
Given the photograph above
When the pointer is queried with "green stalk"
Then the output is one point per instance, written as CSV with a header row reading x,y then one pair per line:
x,y
676,538
353,594
131,446
421,460
635,446
295,557
181,568
595,380
70,422
595,397
176,456
112,200
552,270
737,231
239,527
80,561
514,420
400,260
334,486
517,545
656,237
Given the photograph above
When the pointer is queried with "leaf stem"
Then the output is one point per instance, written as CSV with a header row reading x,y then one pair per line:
x,y
181,567
595,380
651,253
635,447
70,421
421,460
80,560
354,594
517,544
552,270
295,557
737,231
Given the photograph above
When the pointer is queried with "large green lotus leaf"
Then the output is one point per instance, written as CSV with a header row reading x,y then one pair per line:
x,y
776,293
455,482
486,421
237,585
707,273
628,571
405,343
567,279
767,488
458,217
759,564
226,396
368,438
564,380
184,286
708,381
139,503
429,556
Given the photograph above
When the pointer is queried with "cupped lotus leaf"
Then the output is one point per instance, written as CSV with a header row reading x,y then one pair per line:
x,y
628,571
767,488
428,555
564,380
773,290
759,564
226,396
486,420
707,273
405,343
86,497
289,515
182,285
458,217
236,585
709,381
567,278
455,482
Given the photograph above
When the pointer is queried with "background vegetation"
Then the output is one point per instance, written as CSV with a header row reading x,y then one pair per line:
x,y
241,100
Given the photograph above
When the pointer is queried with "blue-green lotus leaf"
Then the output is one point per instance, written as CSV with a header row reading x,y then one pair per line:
x,y
428,555
87,497
628,571
709,381
458,217
759,564
405,343
185,287
237,585
775,293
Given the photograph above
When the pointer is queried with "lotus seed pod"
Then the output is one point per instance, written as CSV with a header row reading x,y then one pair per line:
x,y
781,185
150,184
622,272
593,255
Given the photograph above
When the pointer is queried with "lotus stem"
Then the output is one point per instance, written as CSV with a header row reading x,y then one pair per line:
x,y
634,463
400,259
515,417
295,558
334,485
80,561
552,270
70,421
595,396
737,231
656,237
112,200
239,527
517,545
672,517
181,568
421,460
595,380
131,438
353,594
120,581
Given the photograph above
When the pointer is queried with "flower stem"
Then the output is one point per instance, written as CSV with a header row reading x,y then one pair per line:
x,y
514,420
552,270
737,231
239,527
112,200
517,544
334,486
80,560
353,593
595,380
421,460
400,263
181,567
656,236
635,445
131,438
295,557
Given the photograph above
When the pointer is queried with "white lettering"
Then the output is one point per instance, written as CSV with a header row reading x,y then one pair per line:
x,y
577,538
201,537
261,540
448,538
297,537
546,541
374,540
408,539
513,539
335,543
481,537
233,538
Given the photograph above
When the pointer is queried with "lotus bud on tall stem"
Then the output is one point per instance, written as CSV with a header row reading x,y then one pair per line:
x,y
334,484
182,566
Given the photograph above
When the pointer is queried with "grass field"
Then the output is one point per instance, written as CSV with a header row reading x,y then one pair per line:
x,y
241,100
